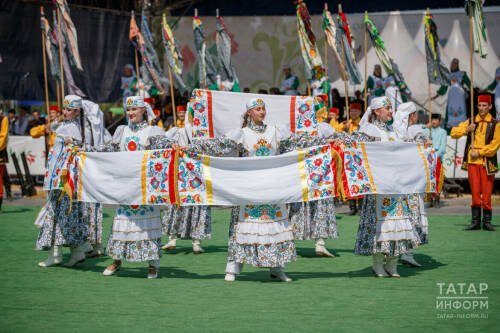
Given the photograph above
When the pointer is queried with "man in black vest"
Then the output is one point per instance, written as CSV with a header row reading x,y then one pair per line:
x,y
480,160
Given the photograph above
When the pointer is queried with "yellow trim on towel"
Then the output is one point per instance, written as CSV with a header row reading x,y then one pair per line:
x,y
367,166
83,156
208,179
303,176
143,176
428,188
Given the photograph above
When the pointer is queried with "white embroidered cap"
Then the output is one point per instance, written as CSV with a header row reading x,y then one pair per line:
x,y
138,101
72,102
254,102
380,102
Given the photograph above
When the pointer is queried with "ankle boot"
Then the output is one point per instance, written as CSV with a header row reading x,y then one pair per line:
x,y
476,219
171,245
197,249
77,256
487,220
378,265
353,208
391,266
321,250
54,257
278,273
409,260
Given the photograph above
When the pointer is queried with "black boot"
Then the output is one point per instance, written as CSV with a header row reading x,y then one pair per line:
x,y
487,220
476,219
353,207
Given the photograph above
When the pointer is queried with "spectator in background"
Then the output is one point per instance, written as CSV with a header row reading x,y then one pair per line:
x,y
35,120
290,82
274,91
438,135
338,102
246,90
21,124
12,120
359,98
263,91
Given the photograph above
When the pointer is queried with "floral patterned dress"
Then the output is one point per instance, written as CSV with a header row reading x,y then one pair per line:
x,y
385,225
261,235
63,223
314,219
188,222
136,231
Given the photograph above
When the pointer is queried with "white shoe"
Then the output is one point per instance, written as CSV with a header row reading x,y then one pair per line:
x,y
391,266
54,257
278,273
171,245
111,269
77,256
197,249
97,251
230,277
153,272
378,265
409,260
321,250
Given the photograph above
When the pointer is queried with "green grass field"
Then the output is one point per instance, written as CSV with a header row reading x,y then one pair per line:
x,y
327,294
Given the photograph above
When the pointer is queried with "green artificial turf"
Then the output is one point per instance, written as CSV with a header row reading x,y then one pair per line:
x,y
327,294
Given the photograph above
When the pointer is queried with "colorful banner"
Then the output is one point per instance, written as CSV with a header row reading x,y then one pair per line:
x,y
437,73
215,113
69,32
389,168
160,177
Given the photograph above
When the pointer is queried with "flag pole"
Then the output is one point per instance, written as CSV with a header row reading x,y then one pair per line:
x,y
137,72
60,51
46,89
366,62
58,89
345,72
45,69
471,47
172,94
428,28
326,61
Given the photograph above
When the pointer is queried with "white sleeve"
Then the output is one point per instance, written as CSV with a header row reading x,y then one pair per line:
x,y
117,136
325,130
156,130
283,132
235,135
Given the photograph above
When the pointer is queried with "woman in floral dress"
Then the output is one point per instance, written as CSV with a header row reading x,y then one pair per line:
x,y
63,223
316,219
136,231
407,129
385,228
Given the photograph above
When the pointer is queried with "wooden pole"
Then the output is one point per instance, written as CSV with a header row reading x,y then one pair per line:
x,y
174,110
60,52
345,73
366,63
308,89
59,102
471,47
45,71
326,62
429,82
138,75
46,143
